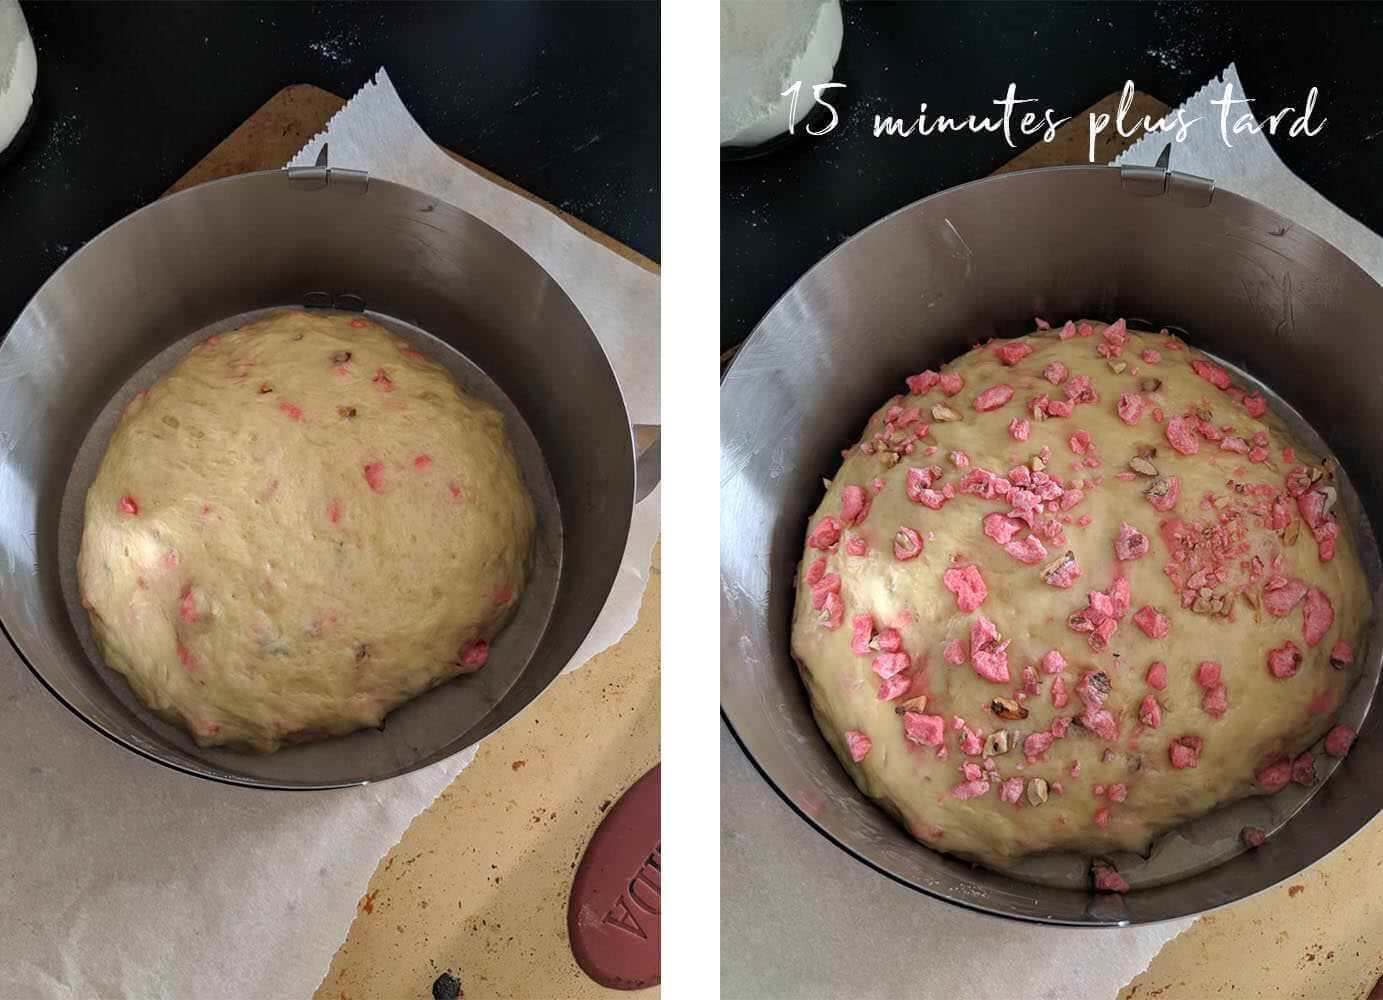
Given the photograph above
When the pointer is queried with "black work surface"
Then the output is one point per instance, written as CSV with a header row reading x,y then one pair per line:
x,y
782,213
132,95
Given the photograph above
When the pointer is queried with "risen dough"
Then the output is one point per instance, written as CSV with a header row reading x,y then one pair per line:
x,y
303,525
1230,560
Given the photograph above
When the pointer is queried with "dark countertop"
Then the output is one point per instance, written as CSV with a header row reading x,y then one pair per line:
x,y
782,213
559,99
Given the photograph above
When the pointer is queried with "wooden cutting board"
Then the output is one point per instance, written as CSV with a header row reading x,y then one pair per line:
x,y
271,136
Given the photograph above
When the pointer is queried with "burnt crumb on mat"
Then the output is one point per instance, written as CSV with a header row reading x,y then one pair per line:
x,y
447,987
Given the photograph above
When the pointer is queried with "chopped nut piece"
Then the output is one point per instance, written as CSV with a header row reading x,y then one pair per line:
x,y
917,704
1331,496
1149,384
1037,791
943,413
997,744
888,458
1007,708
1291,532
341,357
1142,466
1058,567
1117,367
1037,464
1250,598
1145,450
1204,412
1160,488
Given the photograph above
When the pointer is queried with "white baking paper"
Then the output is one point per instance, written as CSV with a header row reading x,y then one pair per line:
x,y
1250,167
802,919
795,908
124,879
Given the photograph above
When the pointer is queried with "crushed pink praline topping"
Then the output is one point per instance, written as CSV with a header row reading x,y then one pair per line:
x,y
993,398
1109,880
1001,527
970,789
888,665
1150,712
1011,790
951,383
922,382
476,654
1211,372
128,505
894,687
1028,550
1215,701
1153,622
1053,662
1339,740
1130,543
968,586
1080,389
1281,594
1275,776
1284,661
823,588
1167,500
861,631
374,476
907,544
1185,751
854,506
823,537
953,652
1157,676
1181,436
924,730
1013,352
1253,836
988,654
1317,616
1304,769
1055,372
1131,407
1019,428
859,745
1036,744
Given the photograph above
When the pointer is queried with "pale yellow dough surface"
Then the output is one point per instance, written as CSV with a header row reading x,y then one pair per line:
x,y
1266,716
301,526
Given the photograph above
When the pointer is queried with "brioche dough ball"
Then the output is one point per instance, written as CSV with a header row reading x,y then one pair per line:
x,y
300,527
1072,590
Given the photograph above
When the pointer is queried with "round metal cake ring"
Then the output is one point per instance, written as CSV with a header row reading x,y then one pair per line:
x,y
125,308
1271,299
